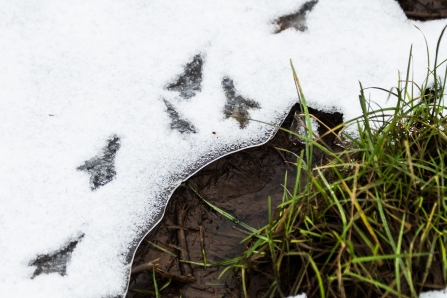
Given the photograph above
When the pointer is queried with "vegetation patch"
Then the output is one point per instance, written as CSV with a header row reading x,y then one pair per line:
x,y
362,216
372,222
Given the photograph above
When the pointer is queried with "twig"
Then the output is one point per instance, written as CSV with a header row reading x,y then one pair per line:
x,y
144,267
282,157
183,252
150,265
182,228
189,279
202,243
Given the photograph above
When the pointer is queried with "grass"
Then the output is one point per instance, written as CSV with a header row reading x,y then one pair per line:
x,y
372,222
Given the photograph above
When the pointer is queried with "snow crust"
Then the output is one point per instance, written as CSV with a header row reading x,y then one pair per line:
x,y
77,74
434,294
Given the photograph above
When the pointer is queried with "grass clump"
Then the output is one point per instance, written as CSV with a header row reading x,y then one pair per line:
x,y
373,221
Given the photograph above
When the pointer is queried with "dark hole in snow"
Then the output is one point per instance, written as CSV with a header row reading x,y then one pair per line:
x,y
102,168
236,105
55,262
238,183
330,119
188,83
178,123
295,20
424,10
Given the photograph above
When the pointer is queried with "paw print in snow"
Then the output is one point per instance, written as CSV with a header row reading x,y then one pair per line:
x,y
102,168
237,106
189,82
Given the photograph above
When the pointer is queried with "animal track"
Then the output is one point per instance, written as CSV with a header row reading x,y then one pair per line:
x,y
102,168
189,82
295,20
177,123
55,262
236,105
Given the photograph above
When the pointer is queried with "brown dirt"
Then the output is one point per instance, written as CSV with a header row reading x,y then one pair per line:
x,y
240,184
424,10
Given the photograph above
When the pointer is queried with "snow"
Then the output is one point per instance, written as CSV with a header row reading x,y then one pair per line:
x,y
298,296
82,76
434,294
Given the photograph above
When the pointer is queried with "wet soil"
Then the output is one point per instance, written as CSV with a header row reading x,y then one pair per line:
x,y
239,184
424,10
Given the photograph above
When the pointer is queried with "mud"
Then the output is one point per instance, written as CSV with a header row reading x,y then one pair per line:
x,y
239,184
424,10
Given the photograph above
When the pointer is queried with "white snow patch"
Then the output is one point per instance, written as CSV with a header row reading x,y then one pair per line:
x,y
76,73
298,296
434,294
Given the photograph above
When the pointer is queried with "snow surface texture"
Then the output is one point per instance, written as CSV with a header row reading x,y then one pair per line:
x,y
106,106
